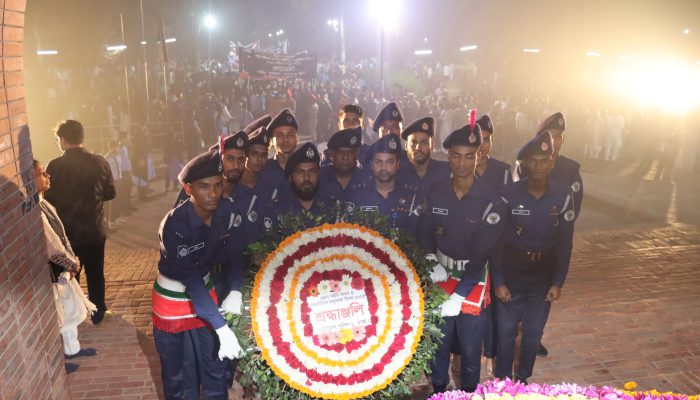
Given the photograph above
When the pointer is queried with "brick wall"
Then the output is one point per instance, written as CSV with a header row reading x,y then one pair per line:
x,y
31,355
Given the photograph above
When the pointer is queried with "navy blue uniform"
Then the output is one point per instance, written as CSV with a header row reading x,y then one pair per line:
x,y
464,231
189,248
328,185
497,175
403,206
322,211
535,254
272,181
408,178
565,171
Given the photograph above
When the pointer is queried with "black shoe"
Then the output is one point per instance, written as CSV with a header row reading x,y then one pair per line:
x,y
89,352
516,378
439,389
468,389
542,351
70,368
98,316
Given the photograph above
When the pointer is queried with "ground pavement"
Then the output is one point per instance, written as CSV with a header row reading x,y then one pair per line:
x,y
629,309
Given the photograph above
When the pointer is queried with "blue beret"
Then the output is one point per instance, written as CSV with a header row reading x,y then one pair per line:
x,y
389,112
259,136
258,123
485,123
352,108
539,145
203,166
554,121
284,118
464,136
307,153
388,144
347,138
425,125
238,141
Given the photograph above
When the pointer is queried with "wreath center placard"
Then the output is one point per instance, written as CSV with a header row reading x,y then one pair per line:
x,y
337,311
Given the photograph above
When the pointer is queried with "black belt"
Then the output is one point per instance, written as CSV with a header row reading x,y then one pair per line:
x,y
532,257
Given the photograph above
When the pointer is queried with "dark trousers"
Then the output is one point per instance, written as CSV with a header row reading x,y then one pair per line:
x,y
92,261
490,330
466,331
527,305
189,360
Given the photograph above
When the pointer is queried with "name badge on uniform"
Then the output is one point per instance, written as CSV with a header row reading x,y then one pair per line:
x,y
515,211
369,208
441,211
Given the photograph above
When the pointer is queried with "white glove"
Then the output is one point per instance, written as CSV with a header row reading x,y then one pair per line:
x,y
229,347
439,274
232,302
431,257
452,306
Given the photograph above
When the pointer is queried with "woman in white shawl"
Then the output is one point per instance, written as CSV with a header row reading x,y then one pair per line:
x,y
72,305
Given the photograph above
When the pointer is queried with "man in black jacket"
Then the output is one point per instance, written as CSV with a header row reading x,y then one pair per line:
x,y
81,182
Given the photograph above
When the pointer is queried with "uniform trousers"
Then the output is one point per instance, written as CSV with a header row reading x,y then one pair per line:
x,y
189,360
465,331
528,283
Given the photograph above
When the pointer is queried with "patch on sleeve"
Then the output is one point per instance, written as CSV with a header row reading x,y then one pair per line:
x,y
576,186
569,215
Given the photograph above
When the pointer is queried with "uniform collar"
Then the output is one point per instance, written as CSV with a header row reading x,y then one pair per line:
x,y
195,221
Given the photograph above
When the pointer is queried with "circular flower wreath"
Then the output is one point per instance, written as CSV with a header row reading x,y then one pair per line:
x,y
338,312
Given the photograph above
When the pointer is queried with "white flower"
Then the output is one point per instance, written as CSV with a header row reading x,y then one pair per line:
x,y
324,287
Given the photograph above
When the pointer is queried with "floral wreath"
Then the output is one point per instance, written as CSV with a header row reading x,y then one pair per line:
x,y
338,312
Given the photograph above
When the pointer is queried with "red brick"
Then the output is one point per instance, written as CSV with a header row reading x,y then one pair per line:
x,y
13,18
12,34
15,5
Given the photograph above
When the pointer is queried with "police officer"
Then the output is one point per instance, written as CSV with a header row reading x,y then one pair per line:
x,y
343,176
459,227
301,199
349,116
251,185
565,170
496,174
531,268
381,193
422,171
192,237
233,157
282,131
389,121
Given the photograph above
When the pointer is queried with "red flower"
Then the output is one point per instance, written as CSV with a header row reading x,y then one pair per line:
x,y
357,283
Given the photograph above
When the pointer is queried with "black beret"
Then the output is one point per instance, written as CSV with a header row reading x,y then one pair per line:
x,y
203,166
352,108
258,123
284,118
539,145
388,144
553,122
485,123
389,112
464,136
347,138
238,141
425,125
259,136
307,153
